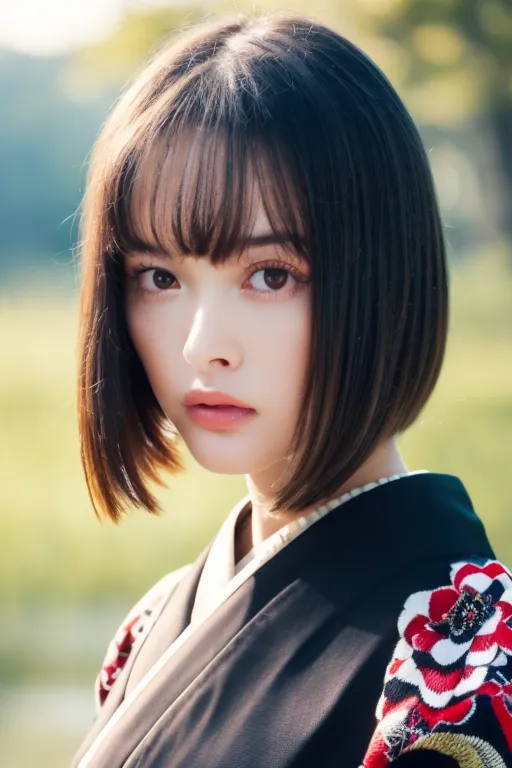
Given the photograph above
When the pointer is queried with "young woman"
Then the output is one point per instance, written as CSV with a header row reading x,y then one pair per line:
x,y
264,278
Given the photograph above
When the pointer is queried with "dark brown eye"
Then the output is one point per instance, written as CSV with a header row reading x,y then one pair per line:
x,y
275,278
162,279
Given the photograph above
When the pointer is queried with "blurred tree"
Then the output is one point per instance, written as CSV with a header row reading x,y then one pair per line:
x,y
45,135
456,58
109,63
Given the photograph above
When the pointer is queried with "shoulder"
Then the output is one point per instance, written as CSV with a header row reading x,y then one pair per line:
x,y
447,694
134,627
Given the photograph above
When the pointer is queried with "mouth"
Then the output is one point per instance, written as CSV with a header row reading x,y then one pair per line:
x,y
219,417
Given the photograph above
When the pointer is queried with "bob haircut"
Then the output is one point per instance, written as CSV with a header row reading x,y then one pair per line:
x,y
286,107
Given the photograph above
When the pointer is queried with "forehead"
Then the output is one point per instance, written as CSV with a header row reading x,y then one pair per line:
x,y
261,224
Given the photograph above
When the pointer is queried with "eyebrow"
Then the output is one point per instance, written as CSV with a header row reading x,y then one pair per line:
x,y
256,241
271,238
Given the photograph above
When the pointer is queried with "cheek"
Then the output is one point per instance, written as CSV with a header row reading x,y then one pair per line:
x,y
139,334
286,354
300,354
152,347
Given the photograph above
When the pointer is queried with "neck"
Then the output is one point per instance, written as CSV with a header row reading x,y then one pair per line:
x,y
259,524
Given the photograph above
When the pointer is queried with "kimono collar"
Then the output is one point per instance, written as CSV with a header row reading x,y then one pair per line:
x,y
220,567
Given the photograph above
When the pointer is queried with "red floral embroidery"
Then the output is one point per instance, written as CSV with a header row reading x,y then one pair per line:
x,y
135,626
452,667
116,657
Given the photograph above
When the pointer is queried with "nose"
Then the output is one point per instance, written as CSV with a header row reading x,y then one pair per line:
x,y
211,339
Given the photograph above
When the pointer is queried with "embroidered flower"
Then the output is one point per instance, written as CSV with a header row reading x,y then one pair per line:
x,y
135,626
118,652
452,667
452,636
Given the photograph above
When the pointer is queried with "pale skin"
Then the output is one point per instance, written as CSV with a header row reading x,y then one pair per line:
x,y
195,325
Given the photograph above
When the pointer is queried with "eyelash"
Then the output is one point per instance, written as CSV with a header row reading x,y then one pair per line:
x,y
300,280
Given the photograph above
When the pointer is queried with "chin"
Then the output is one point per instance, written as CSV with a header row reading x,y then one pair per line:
x,y
226,454
221,465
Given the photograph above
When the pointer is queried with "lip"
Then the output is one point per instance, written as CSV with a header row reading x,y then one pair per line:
x,y
216,410
219,417
212,397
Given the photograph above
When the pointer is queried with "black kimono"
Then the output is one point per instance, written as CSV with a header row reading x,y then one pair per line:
x,y
381,634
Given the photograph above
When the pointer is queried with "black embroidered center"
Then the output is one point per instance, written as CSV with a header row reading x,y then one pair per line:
x,y
469,614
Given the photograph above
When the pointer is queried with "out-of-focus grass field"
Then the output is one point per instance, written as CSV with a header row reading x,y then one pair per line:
x,y
66,580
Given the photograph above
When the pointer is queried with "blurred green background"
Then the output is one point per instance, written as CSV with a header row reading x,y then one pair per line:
x,y
66,580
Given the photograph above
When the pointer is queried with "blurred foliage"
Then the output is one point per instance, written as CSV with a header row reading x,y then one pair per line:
x,y
45,135
46,750
109,63
454,58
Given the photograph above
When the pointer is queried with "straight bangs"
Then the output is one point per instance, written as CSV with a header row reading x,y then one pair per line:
x,y
196,190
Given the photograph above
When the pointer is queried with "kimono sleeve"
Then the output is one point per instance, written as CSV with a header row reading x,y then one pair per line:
x,y
131,632
447,696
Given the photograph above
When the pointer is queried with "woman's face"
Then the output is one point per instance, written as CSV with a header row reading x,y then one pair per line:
x,y
241,328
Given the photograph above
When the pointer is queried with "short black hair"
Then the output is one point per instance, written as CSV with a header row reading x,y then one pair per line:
x,y
342,171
